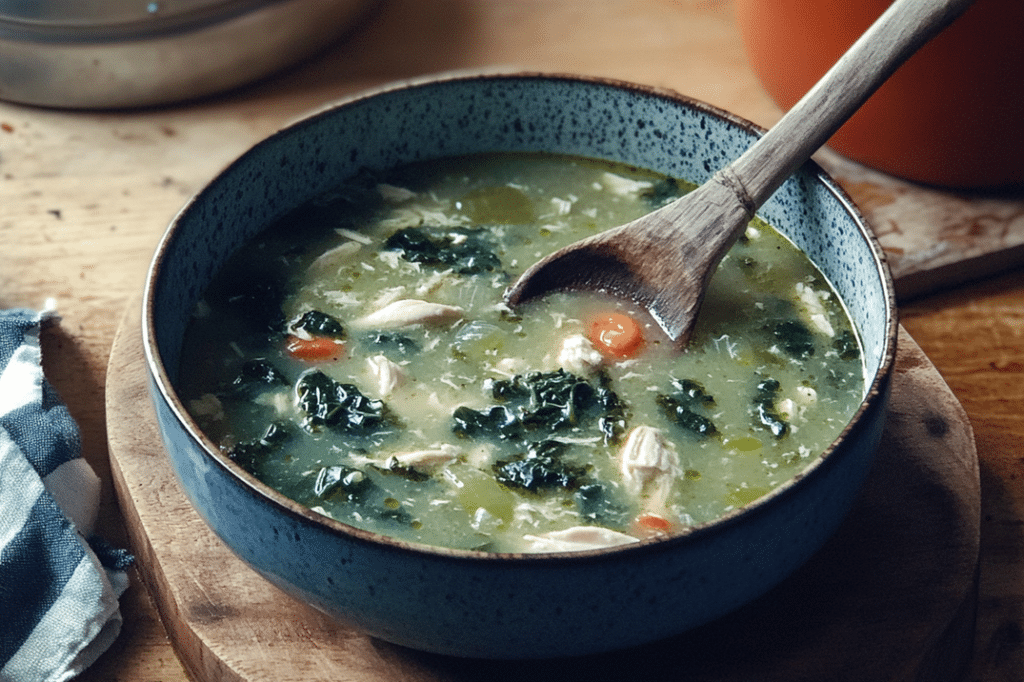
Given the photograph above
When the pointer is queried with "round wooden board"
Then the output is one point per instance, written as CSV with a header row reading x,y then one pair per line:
x,y
890,597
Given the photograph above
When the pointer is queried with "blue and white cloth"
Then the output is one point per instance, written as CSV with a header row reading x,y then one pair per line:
x,y
59,585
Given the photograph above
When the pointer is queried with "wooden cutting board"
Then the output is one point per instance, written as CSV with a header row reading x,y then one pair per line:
x,y
933,238
890,597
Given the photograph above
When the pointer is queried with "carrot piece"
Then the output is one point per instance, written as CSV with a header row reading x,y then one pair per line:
x,y
316,349
616,335
654,522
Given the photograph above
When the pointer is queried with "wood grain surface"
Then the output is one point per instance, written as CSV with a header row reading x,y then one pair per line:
x,y
84,197
899,577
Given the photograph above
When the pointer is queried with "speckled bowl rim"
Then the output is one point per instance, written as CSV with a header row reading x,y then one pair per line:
x,y
875,393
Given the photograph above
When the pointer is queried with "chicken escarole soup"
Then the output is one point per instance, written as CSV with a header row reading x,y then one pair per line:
x,y
358,358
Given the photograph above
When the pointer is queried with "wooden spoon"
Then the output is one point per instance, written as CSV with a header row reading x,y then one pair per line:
x,y
664,260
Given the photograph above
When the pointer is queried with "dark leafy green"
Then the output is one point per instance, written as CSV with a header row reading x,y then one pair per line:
x,y
614,413
316,323
548,401
683,405
541,405
342,483
395,468
795,338
355,487
597,503
346,205
531,411
468,255
251,454
845,344
391,344
542,468
765,412
255,375
497,422
325,402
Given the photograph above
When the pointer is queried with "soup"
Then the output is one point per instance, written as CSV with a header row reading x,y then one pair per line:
x,y
358,357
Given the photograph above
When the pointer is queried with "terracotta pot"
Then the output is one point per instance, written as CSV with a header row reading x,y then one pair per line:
x,y
951,116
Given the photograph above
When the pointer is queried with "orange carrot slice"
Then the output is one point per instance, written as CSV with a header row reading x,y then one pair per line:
x,y
316,349
616,335
654,522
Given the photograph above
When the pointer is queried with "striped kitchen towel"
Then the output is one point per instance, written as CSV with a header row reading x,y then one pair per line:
x,y
59,585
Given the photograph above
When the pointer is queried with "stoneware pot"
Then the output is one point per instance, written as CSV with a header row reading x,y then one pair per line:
x,y
476,604
951,116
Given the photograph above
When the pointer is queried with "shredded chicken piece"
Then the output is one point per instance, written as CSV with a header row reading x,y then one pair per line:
x,y
426,459
576,539
407,312
208,407
794,408
280,401
510,366
649,465
561,206
579,355
814,309
385,374
435,282
616,184
393,194
354,236
336,257
389,295
422,460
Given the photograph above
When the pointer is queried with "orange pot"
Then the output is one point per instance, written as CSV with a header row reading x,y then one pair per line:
x,y
953,115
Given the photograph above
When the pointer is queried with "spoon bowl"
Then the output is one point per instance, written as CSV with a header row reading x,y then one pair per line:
x,y
664,260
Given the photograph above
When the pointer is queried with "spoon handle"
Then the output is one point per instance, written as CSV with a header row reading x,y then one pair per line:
x,y
899,32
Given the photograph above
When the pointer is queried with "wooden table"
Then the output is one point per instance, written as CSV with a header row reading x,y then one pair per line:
x,y
84,196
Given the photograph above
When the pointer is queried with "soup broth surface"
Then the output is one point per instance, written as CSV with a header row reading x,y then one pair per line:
x,y
358,358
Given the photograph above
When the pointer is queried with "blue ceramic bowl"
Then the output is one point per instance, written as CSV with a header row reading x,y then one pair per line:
x,y
499,605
